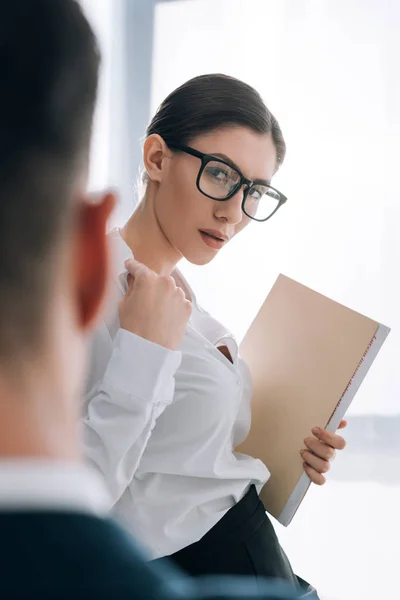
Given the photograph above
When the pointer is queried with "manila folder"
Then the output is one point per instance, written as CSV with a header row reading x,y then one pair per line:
x,y
307,356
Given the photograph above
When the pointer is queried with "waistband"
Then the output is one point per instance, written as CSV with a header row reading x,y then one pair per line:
x,y
238,523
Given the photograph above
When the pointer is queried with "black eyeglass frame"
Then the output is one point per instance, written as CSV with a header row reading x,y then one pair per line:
x,y
206,158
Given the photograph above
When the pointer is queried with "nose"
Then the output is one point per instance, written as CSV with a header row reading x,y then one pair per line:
x,y
230,210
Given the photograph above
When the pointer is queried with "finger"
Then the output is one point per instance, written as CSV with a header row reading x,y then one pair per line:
x,y
342,424
134,267
332,439
320,448
318,464
314,476
188,303
130,281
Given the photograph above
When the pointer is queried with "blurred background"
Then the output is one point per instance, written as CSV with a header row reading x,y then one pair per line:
x,y
329,72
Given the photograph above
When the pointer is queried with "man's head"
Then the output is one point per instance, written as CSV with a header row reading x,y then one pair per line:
x,y
53,258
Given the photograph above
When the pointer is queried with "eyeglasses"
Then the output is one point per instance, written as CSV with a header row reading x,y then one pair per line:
x,y
220,180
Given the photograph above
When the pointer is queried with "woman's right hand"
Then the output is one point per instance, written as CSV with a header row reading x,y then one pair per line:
x,y
154,307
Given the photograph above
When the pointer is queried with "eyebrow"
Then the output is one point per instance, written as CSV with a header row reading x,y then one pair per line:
x,y
230,161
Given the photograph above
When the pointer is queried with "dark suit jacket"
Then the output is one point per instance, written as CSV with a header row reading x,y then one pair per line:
x,y
60,555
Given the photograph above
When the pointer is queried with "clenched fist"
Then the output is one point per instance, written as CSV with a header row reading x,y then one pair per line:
x,y
154,307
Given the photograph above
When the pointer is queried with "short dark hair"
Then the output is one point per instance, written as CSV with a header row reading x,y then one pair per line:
x,y
208,102
49,61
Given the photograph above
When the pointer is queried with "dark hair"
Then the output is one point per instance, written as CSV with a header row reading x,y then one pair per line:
x,y
49,63
207,102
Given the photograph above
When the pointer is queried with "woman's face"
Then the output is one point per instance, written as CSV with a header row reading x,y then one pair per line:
x,y
189,219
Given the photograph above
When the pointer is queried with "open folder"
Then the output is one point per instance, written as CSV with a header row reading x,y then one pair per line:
x,y
308,356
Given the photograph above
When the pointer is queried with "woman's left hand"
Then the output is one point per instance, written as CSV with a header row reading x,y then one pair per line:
x,y
320,450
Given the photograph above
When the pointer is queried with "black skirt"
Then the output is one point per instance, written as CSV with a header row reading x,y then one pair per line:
x,y
243,542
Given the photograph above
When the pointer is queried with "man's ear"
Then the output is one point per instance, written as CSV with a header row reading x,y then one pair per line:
x,y
92,259
155,151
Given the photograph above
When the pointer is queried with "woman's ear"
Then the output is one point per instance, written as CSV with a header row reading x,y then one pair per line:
x,y
155,153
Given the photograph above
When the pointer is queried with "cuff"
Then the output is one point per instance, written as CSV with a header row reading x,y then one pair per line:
x,y
141,368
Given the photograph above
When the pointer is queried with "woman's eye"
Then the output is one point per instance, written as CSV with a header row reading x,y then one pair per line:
x,y
255,195
217,173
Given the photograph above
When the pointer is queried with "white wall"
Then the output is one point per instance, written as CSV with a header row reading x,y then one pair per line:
x,y
328,71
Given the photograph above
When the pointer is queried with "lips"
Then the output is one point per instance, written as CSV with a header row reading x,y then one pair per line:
x,y
213,239
218,235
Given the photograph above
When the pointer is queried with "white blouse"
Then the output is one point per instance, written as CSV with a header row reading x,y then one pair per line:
x,y
161,425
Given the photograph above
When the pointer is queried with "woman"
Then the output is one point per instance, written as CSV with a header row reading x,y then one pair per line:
x,y
168,395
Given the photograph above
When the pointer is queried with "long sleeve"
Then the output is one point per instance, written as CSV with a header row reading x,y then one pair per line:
x,y
131,382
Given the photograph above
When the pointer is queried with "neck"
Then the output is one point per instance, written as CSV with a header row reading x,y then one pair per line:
x,y
145,237
35,422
